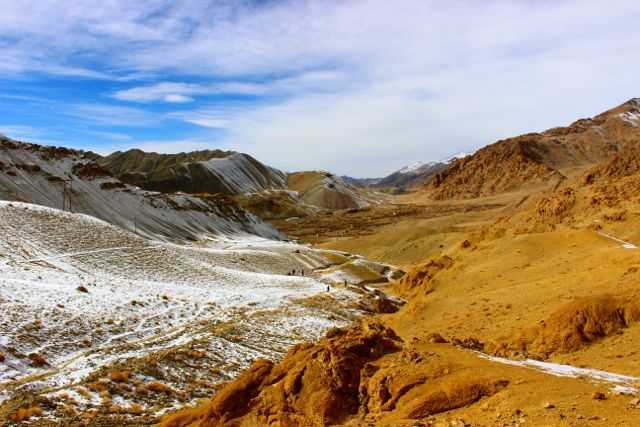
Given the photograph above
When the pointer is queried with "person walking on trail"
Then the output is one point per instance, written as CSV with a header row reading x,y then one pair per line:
x,y
328,288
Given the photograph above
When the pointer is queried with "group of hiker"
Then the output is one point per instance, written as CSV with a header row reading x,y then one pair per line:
x,y
295,272
300,272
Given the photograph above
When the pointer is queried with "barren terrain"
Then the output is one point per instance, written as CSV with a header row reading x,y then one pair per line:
x,y
522,298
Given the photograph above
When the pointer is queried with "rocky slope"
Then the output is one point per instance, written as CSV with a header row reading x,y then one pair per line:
x,y
37,174
325,190
265,191
604,194
541,158
196,172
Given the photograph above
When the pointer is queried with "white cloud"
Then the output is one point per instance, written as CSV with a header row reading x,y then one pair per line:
x,y
177,98
165,91
358,86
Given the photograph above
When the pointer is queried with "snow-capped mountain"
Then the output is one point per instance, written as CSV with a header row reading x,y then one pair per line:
x,y
452,158
415,167
417,173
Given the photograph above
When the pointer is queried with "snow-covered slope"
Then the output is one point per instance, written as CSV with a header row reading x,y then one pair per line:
x,y
81,298
36,174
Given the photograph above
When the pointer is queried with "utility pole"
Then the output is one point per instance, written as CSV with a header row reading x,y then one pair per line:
x,y
67,188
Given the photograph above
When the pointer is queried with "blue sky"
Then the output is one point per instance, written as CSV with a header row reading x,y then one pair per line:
x,y
359,87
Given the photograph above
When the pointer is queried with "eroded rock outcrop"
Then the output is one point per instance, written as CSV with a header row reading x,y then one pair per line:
x,y
422,276
314,385
361,374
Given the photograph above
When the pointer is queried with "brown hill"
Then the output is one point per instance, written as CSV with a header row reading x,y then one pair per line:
x,y
573,326
325,190
604,193
541,158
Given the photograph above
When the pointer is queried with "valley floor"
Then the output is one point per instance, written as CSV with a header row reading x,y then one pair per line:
x,y
490,284
486,288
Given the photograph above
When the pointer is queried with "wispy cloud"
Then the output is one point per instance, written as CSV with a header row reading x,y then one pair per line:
x,y
179,92
114,115
20,132
165,91
215,116
112,136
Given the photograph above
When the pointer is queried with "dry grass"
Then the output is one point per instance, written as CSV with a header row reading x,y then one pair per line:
x,y
574,326
24,414
121,376
38,360
158,387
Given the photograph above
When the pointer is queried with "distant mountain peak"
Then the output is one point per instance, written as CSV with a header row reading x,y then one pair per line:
x,y
459,155
415,167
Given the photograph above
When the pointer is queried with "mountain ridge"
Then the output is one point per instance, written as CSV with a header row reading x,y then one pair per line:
x,y
208,171
540,158
73,180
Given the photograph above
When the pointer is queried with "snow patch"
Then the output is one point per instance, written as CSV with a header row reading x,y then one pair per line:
x,y
631,117
452,158
625,245
415,166
620,383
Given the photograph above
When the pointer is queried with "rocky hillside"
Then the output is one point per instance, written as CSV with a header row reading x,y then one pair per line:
x,y
210,171
39,174
539,158
325,190
360,372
